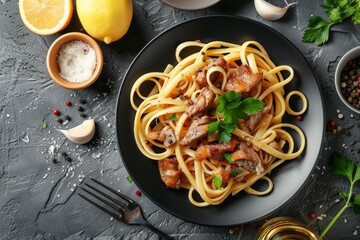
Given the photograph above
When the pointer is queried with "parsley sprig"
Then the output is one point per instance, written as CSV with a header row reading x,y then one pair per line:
x,y
346,168
337,11
230,109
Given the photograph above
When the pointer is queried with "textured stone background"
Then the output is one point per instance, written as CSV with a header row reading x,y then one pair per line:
x,y
37,197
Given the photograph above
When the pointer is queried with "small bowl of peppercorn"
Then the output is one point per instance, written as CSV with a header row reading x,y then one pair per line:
x,y
347,79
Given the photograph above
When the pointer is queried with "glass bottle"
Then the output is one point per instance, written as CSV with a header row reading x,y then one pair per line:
x,y
282,228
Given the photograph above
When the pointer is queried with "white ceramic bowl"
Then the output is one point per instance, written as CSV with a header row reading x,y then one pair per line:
x,y
350,55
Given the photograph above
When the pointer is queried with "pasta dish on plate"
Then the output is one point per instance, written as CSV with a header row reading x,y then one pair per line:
x,y
214,121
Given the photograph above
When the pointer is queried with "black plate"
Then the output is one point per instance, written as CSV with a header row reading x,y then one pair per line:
x,y
288,178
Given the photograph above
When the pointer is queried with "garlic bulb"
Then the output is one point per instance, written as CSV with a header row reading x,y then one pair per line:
x,y
269,11
82,133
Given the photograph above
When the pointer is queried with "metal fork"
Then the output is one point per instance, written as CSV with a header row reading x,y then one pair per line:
x,y
123,208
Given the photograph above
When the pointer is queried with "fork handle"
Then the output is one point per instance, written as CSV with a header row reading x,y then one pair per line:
x,y
161,234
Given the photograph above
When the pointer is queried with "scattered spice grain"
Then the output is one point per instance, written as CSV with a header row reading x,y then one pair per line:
x,y
59,120
56,112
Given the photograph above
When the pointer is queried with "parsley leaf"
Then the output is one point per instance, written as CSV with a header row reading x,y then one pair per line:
x,y
337,11
235,172
230,109
227,156
44,124
213,127
172,118
318,30
346,168
217,181
343,167
129,179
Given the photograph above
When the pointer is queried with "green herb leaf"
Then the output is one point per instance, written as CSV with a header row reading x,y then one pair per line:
x,y
357,200
129,179
172,118
343,167
218,182
356,17
337,11
357,173
346,168
235,172
252,106
317,31
224,137
213,127
356,203
44,124
232,109
227,156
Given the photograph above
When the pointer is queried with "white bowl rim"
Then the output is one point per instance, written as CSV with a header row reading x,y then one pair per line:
x,y
350,55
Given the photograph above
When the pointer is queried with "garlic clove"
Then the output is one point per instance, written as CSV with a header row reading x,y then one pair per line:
x,y
269,11
82,133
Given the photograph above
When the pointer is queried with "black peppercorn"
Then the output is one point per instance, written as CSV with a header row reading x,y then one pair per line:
x,y
67,158
82,101
80,109
59,120
64,154
54,160
82,115
350,82
67,118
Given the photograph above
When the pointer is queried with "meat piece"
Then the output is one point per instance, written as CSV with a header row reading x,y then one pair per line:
x,y
243,80
205,151
275,145
254,119
166,136
198,129
169,172
247,158
215,78
225,176
201,103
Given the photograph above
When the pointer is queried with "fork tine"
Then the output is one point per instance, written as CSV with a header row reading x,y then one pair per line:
x,y
104,200
113,191
105,195
118,217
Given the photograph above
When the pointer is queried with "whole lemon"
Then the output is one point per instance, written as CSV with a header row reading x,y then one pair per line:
x,y
105,20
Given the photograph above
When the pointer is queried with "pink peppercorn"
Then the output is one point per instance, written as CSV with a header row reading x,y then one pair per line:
x,y
299,118
56,112
137,192
312,215
332,123
68,103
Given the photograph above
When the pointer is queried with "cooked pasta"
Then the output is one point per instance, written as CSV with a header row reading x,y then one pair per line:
x,y
177,110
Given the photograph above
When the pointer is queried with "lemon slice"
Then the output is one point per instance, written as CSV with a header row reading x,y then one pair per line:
x,y
46,17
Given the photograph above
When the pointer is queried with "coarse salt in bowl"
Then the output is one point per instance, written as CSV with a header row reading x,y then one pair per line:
x,y
74,60
351,55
